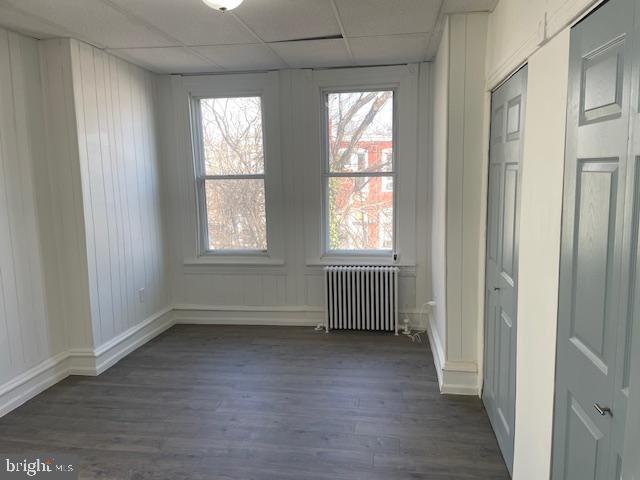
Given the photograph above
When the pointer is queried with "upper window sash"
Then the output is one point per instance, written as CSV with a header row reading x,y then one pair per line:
x,y
328,168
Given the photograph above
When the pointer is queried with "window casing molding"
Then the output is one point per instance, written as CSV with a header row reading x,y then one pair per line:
x,y
327,251
201,178
187,91
403,80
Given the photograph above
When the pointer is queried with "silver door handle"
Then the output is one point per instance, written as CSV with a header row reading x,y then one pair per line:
x,y
602,410
496,289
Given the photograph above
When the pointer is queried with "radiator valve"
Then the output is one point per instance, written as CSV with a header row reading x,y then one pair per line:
x,y
406,330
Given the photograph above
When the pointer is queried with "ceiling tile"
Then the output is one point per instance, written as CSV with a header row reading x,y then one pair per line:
x,y
277,20
314,53
190,21
242,57
93,21
460,6
166,60
388,49
384,17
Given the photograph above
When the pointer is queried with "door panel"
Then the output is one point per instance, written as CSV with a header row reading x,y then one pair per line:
x,y
595,220
510,215
585,439
602,75
508,105
493,228
592,297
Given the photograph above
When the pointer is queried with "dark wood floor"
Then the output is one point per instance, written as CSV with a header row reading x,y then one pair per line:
x,y
262,403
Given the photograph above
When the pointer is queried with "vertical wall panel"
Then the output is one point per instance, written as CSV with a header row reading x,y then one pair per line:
x,y
121,191
26,334
60,199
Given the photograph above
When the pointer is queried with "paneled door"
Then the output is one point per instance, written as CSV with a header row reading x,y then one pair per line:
x,y
599,241
505,154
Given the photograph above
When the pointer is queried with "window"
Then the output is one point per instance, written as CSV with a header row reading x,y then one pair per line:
x,y
385,227
359,170
230,174
386,156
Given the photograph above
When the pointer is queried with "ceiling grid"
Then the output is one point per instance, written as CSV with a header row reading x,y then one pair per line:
x,y
166,36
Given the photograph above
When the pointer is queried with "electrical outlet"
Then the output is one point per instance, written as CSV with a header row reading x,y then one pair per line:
x,y
141,295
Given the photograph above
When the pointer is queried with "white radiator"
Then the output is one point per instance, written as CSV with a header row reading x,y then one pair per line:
x,y
361,298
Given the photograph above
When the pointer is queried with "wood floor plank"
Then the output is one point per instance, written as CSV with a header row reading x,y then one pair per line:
x,y
262,403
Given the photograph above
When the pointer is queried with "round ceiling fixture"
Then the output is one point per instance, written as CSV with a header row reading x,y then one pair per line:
x,y
223,5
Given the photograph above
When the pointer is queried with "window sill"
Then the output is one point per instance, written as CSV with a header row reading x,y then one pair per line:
x,y
236,260
355,260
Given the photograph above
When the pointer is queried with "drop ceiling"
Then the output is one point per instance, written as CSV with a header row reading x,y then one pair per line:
x,y
185,36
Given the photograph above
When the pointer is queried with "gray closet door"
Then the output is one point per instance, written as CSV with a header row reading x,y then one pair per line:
x,y
507,128
627,385
597,240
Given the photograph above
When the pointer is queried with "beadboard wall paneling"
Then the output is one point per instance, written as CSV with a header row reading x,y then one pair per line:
x,y
27,334
60,199
121,191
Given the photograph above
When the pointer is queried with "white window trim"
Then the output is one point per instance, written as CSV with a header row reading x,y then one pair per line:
x,y
404,80
201,180
327,174
186,91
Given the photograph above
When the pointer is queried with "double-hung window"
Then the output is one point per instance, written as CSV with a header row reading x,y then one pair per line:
x,y
230,174
359,171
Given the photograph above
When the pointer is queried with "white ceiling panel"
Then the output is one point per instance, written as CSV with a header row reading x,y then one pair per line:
x,y
93,21
460,6
276,20
389,49
385,17
314,53
190,21
29,25
167,60
242,57
155,33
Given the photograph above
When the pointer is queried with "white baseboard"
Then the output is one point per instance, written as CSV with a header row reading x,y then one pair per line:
x,y
299,315
243,315
28,384
456,378
437,349
94,362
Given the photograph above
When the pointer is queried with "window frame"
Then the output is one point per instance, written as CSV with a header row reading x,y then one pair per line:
x,y
201,179
326,174
187,238
409,151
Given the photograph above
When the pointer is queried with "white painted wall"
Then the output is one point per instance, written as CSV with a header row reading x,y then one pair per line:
x,y
440,86
81,217
121,191
288,288
541,212
60,199
517,28
459,97
28,334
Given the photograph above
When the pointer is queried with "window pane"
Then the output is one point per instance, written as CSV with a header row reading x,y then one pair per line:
x,y
236,217
360,129
360,213
232,135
